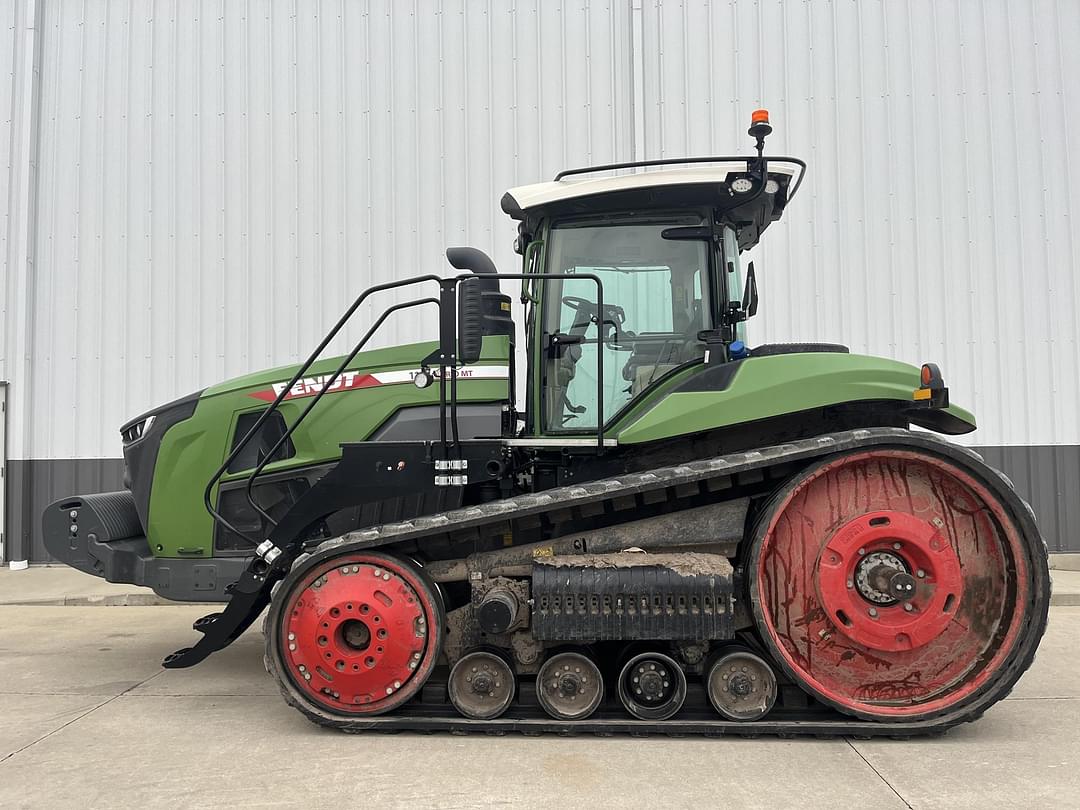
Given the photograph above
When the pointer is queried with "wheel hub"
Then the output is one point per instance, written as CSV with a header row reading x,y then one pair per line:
x,y
874,575
482,683
889,580
651,683
740,684
356,634
569,685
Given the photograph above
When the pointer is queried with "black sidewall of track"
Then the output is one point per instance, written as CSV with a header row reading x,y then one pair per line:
x,y
272,656
1033,622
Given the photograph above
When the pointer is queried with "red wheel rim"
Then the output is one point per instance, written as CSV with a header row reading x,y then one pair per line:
x,y
861,524
359,634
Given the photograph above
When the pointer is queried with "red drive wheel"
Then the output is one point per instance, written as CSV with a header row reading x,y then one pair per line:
x,y
358,634
892,584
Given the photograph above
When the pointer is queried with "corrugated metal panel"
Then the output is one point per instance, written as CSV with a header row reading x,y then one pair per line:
x,y
1048,478
33,485
8,38
219,177
19,63
938,221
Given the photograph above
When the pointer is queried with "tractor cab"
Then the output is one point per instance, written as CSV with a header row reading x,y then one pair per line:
x,y
662,247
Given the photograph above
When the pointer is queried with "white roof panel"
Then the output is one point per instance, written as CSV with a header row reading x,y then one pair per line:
x,y
538,194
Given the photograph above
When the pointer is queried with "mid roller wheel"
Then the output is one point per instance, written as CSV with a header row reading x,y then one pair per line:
x,y
741,686
652,686
896,584
569,686
357,634
482,685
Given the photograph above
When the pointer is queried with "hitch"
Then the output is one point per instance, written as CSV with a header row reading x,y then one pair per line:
x,y
250,596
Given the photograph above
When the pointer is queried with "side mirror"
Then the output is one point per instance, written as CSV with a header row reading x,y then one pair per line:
x,y
470,320
750,296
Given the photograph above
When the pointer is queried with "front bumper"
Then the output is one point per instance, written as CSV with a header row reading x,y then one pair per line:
x,y
101,535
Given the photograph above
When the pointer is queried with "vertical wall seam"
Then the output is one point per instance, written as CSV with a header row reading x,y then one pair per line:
x,y
637,81
21,383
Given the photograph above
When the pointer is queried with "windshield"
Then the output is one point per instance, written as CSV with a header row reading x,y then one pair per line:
x,y
656,300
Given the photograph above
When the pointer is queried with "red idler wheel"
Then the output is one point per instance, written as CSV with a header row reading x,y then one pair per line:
x,y
359,634
890,583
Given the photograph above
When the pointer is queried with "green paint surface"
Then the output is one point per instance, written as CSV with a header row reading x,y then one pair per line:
x,y
192,450
771,386
762,387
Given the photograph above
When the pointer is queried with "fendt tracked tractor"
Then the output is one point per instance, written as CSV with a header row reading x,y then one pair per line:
x,y
668,531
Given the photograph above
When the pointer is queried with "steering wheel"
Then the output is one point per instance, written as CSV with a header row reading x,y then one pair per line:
x,y
611,311
614,316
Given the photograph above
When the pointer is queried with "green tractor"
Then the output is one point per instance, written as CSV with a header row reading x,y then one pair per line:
x,y
667,531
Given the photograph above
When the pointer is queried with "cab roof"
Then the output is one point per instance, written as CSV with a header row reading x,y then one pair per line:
x,y
712,182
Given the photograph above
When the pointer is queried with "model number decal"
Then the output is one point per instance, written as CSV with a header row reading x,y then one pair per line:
x,y
351,380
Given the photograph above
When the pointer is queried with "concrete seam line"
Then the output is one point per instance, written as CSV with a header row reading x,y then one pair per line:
x,y
80,717
851,745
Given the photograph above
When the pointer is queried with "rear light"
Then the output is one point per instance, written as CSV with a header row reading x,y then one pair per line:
x,y
931,388
930,376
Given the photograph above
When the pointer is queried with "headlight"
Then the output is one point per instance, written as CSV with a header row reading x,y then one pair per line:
x,y
132,433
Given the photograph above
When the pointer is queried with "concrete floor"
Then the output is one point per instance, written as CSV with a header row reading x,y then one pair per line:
x,y
88,719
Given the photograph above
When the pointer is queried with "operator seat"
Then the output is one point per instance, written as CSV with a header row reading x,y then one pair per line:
x,y
648,366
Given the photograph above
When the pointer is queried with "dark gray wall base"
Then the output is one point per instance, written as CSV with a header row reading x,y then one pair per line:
x,y
1048,476
33,484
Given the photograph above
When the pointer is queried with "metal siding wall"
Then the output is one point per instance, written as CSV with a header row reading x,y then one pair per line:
x,y
1049,478
938,220
219,178
8,36
216,179
19,63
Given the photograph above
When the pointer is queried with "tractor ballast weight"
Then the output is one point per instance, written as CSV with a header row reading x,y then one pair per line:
x,y
669,532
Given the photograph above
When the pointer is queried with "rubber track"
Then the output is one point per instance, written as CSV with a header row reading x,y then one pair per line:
x,y
432,712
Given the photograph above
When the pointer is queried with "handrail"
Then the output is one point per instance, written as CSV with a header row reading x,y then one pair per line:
x,y
315,400
208,492
446,367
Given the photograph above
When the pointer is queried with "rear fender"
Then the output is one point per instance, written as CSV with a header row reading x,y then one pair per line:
x,y
764,387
